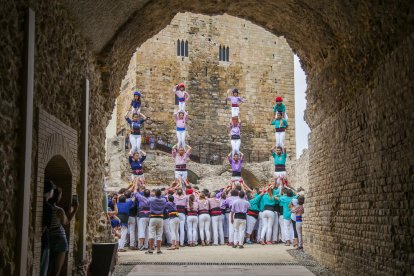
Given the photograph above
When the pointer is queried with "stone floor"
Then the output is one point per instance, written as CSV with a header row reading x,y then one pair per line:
x,y
218,260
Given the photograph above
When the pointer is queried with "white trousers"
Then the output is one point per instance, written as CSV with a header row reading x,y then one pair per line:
x,y
232,238
122,240
192,222
218,234
226,218
299,231
239,230
132,225
268,218
280,174
181,106
284,117
156,228
280,139
174,228
204,227
143,228
260,227
181,175
275,232
135,141
250,223
282,228
167,230
289,230
181,138
235,111
235,146
135,110
182,218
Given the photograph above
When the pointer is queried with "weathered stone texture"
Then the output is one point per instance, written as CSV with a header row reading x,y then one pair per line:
x,y
360,201
62,60
360,105
260,66
298,171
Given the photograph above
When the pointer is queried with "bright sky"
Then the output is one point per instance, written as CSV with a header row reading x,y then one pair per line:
x,y
302,129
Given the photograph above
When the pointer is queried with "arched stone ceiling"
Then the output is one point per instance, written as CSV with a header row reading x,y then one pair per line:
x,y
336,40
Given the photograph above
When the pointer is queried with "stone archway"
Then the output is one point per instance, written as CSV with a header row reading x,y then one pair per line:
x,y
358,58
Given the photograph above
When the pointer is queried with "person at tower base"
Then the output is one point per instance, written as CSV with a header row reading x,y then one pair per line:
x,y
136,103
137,172
279,158
236,164
253,214
174,222
181,200
135,136
180,121
182,95
280,107
280,129
235,102
235,125
181,157
157,205
238,218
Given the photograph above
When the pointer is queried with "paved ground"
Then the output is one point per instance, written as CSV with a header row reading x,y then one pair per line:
x,y
218,260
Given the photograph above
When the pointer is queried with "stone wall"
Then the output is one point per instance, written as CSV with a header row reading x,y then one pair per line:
x,y
260,66
298,171
62,60
360,202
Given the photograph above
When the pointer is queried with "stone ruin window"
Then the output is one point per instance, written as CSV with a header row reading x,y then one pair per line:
x,y
224,53
182,48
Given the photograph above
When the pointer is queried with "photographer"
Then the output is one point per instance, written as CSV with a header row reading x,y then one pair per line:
x,y
57,235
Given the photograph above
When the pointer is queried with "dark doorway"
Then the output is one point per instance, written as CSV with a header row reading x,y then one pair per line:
x,y
59,172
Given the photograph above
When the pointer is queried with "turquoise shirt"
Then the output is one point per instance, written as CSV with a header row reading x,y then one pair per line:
x,y
267,201
279,159
276,123
284,201
279,108
255,202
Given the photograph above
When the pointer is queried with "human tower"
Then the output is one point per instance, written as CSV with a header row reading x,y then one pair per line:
x,y
182,214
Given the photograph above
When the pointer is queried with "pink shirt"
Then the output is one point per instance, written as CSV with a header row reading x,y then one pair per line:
x,y
195,206
180,123
235,100
203,204
214,203
297,210
180,160
180,200
181,94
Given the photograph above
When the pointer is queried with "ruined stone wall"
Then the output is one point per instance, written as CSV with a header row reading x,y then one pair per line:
x,y
260,65
61,62
359,209
298,171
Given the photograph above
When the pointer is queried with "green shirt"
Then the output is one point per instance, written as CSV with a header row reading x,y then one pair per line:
x,y
267,201
284,201
279,108
279,159
255,202
277,124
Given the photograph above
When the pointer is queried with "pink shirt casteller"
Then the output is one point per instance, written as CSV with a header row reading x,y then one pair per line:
x,y
180,160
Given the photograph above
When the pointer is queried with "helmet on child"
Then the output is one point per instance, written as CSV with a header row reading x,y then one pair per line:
x,y
137,93
181,85
279,99
235,90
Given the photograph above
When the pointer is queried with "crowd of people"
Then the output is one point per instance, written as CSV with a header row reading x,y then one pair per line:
x,y
181,214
